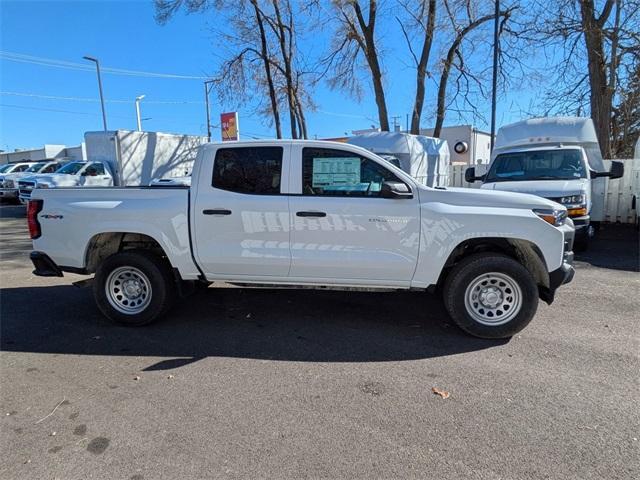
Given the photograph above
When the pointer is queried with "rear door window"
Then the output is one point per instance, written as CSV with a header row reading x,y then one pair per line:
x,y
250,170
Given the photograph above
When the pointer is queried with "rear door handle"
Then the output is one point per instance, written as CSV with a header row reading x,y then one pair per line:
x,y
216,211
311,214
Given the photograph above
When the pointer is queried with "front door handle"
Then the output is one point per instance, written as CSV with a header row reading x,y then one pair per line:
x,y
216,211
311,214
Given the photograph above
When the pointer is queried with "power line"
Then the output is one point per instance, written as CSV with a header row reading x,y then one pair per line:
x,y
50,62
87,99
54,110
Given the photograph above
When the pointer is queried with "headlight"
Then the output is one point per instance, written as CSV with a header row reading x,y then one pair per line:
x,y
41,185
576,205
553,217
574,200
9,184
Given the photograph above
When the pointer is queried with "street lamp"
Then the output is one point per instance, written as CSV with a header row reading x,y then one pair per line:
x,y
138,112
207,89
104,115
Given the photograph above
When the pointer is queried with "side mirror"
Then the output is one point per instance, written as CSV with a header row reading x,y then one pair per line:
x,y
617,171
395,190
470,175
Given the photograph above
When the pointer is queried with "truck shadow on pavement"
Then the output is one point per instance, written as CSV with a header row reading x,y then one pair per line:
x,y
616,246
270,324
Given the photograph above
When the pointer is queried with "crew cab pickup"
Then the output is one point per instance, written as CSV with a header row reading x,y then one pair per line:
x,y
306,213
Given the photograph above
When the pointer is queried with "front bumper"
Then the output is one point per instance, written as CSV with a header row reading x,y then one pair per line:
x,y
583,226
558,277
8,193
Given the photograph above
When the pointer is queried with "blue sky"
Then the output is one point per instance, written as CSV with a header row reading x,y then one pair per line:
x,y
125,35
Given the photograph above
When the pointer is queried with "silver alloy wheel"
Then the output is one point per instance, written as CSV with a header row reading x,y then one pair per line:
x,y
493,299
128,290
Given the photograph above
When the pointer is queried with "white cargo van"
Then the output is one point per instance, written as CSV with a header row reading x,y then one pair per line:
x,y
557,158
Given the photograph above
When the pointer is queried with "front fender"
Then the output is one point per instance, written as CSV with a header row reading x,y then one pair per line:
x,y
444,227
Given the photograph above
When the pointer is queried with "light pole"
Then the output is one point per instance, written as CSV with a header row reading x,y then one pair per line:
x,y
496,49
207,89
104,114
138,112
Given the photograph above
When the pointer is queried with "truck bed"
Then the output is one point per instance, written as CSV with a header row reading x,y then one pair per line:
x,y
71,217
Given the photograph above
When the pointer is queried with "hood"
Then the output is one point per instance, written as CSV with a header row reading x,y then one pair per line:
x,y
493,198
57,180
542,188
14,176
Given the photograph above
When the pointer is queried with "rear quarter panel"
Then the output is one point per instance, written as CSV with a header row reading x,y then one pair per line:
x,y
72,216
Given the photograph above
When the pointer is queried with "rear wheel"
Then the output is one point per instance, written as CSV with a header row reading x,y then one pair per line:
x,y
490,295
133,288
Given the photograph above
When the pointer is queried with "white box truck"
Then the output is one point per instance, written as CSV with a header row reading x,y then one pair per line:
x,y
557,158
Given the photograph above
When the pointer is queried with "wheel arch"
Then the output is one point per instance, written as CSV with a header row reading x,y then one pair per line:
x,y
103,245
525,252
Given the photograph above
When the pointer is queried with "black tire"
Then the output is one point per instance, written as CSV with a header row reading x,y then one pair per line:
x,y
467,271
158,273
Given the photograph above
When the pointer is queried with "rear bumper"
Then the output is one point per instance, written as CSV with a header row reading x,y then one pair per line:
x,y
44,266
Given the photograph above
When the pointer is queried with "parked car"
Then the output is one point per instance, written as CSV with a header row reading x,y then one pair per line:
x,y
306,213
556,158
11,179
74,174
8,185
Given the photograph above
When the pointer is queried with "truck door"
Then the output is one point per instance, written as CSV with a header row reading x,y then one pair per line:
x,y
343,229
241,216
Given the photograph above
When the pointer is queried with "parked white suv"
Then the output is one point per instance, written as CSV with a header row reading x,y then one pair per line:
x,y
8,187
74,174
11,179
306,213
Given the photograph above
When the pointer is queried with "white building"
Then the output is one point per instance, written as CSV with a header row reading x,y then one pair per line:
x,y
46,152
467,144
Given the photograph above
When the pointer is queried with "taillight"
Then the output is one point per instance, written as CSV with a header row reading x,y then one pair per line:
x,y
33,209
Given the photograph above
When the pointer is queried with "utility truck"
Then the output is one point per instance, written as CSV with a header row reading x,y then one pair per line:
x,y
306,213
557,158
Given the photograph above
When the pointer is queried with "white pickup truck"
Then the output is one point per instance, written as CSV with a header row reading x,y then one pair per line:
x,y
306,213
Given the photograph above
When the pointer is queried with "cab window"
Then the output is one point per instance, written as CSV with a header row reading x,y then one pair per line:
x,y
51,168
339,173
94,170
251,170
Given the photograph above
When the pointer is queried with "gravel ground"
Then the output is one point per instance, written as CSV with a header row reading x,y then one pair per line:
x,y
284,384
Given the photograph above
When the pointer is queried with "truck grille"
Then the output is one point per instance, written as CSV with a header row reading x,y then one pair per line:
x,y
25,188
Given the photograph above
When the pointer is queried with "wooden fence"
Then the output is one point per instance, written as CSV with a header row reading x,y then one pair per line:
x,y
618,193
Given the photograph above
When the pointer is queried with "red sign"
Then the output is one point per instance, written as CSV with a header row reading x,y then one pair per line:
x,y
229,122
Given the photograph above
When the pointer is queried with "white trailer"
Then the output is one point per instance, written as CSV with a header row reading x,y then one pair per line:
x,y
138,158
424,158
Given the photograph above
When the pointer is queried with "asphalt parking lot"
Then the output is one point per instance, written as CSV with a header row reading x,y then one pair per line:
x,y
318,384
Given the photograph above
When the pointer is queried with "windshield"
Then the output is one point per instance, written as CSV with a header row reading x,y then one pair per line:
x,y
565,164
71,168
6,167
35,168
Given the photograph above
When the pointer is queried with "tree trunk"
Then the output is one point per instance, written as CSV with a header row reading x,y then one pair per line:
x,y
601,95
422,69
448,63
286,59
267,69
372,60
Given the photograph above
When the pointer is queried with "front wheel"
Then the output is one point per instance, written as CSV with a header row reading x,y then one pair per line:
x,y
490,295
133,288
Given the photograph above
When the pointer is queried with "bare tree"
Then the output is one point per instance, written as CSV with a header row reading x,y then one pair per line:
x,y
261,55
422,16
356,36
598,44
454,57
